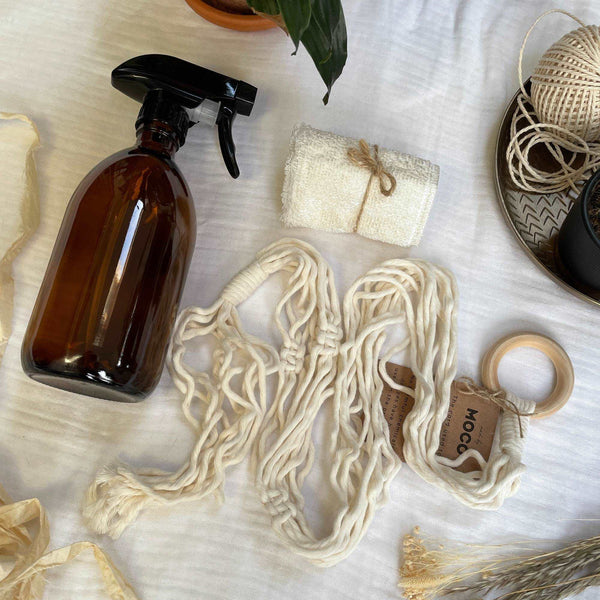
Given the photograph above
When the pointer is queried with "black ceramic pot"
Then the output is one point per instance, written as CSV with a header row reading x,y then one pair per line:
x,y
578,243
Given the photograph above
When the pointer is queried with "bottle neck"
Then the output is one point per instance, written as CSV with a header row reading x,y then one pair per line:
x,y
158,137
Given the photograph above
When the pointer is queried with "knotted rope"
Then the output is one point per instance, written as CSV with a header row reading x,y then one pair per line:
x,y
362,157
328,355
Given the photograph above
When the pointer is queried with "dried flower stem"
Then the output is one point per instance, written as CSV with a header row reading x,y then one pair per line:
x,y
431,570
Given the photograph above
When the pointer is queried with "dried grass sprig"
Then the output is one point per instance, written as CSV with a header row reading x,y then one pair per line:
x,y
432,569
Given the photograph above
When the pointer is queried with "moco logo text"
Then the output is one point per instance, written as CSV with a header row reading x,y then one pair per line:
x,y
468,426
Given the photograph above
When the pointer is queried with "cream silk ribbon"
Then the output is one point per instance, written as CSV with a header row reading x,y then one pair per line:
x,y
24,530
26,552
20,208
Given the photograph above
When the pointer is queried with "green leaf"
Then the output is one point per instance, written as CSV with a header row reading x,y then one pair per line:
x,y
325,39
296,16
268,7
319,26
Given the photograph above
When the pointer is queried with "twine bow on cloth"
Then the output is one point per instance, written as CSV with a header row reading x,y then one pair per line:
x,y
362,157
326,175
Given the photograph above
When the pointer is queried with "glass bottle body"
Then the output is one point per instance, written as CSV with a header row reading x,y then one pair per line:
x,y
107,305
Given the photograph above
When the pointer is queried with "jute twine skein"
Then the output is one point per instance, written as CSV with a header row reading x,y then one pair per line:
x,y
565,86
562,112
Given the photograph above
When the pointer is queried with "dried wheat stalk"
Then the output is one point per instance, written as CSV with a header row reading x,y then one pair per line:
x,y
431,570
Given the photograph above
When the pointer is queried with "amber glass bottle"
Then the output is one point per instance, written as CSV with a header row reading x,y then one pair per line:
x,y
107,305
109,299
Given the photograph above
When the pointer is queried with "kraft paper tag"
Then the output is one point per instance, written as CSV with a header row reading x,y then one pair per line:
x,y
470,423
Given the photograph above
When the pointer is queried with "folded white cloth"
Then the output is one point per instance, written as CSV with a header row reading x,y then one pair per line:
x,y
324,189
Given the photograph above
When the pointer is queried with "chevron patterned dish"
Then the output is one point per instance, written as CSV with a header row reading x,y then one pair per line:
x,y
534,218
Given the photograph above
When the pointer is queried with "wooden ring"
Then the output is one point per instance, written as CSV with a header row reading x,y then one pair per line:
x,y
565,377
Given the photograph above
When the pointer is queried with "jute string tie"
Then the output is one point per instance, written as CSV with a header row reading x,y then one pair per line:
x,y
362,157
498,397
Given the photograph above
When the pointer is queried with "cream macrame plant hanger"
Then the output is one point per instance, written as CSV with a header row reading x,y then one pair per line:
x,y
327,354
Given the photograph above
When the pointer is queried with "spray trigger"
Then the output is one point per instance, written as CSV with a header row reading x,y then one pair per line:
x,y
183,94
225,123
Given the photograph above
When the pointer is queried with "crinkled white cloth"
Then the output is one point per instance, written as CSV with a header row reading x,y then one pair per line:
x,y
429,77
324,189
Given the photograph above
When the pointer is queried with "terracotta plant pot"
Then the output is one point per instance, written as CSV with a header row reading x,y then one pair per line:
x,y
230,20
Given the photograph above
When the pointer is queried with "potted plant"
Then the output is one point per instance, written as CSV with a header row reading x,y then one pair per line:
x,y
318,25
578,240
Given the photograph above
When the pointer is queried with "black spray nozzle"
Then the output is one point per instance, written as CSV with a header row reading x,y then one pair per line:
x,y
189,86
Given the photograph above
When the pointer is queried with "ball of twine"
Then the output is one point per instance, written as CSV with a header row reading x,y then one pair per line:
x,y
565,86
562,112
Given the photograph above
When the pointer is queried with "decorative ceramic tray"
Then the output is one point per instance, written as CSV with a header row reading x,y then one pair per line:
x,y
534,218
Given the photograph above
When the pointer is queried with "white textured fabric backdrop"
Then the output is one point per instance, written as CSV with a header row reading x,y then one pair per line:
x,y
426,77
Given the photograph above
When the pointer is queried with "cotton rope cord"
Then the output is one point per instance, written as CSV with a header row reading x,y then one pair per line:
x,y
327,355
562,113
